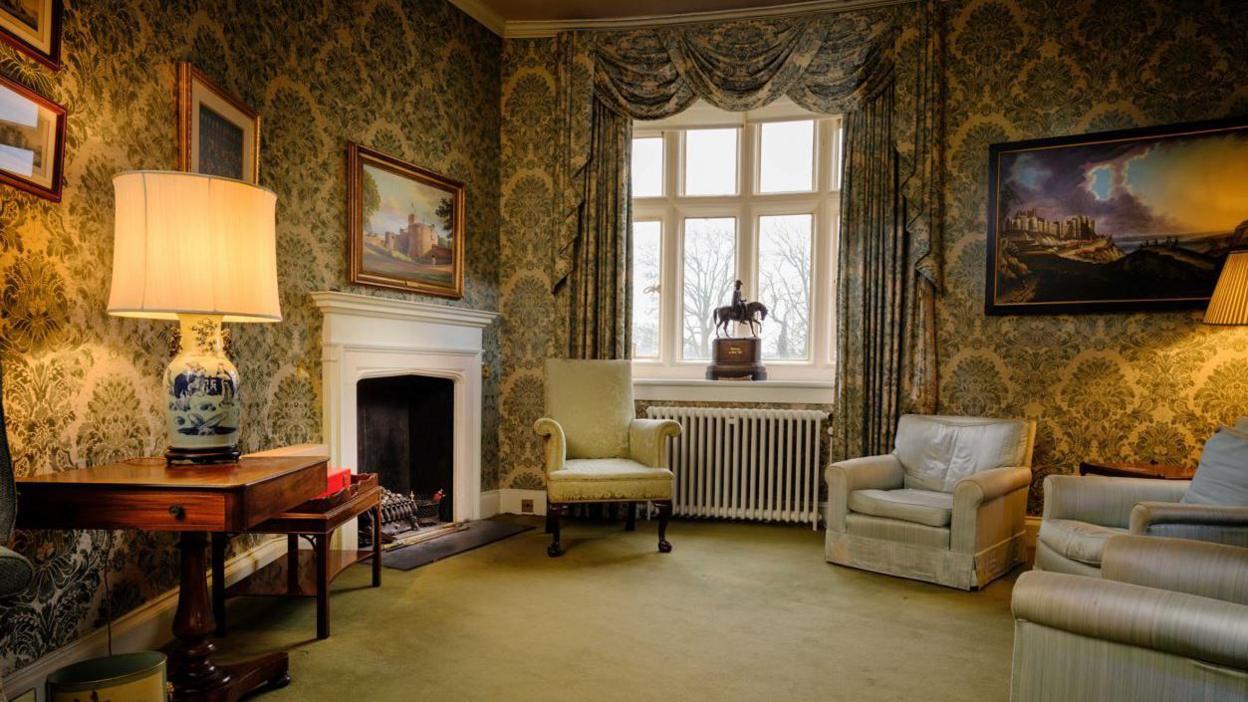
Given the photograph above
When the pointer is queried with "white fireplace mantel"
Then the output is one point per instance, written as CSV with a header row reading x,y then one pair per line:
x,y
372,337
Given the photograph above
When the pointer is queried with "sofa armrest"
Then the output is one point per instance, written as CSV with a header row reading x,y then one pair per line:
x,y
647,440
556,443
1226,524
871,472
1132,615
987,492
1180,565
1102,500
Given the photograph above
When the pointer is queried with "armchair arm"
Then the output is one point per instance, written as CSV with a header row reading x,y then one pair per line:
x,y
1000,494
1197,568
1226,524
647,440
556,443
871,472
1104,501
1172,622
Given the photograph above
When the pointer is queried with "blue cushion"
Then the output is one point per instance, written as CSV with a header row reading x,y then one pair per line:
x,y
15,572
1222,476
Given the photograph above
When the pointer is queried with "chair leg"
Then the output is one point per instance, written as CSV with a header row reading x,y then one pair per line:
x,y
665,512
552,526
630,519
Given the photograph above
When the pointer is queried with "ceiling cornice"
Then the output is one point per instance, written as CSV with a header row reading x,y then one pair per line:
x,y
535,29
487,17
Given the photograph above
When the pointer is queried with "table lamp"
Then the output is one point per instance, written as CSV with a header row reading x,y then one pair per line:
x,y
199,249
1229,304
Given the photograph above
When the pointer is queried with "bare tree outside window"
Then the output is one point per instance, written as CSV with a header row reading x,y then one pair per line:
x,y
647,274
784,279
710,268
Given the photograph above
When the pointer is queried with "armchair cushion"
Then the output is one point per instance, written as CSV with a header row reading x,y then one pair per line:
x,y
608,480
919,506
1222,476
593,402
1083,542
938,451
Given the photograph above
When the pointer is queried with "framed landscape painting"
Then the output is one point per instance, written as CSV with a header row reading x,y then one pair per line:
x,y
1131,220
32,141
33,27
218,134
406,225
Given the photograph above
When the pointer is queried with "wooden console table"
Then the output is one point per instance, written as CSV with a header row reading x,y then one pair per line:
x,y
304,573
145,494
1137,470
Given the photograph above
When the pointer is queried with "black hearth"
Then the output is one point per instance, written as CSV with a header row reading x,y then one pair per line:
x,y
406,436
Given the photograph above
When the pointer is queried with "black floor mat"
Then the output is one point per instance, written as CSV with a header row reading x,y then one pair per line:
x,y
477,534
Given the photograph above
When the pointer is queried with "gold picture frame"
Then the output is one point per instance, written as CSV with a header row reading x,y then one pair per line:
x,y
32,132
218,134
33,27
405,225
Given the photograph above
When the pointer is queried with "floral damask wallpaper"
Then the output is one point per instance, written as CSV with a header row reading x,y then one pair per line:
x,y
1125,387
415,78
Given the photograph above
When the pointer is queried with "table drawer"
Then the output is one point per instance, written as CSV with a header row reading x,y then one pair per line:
x,y
148,509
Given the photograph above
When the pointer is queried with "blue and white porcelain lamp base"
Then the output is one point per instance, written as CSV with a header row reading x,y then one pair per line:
x,y
201,392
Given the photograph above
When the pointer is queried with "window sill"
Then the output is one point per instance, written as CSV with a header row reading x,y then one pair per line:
x,y
765,391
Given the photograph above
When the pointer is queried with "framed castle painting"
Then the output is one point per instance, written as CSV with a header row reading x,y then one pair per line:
x,y
405,225
33,27
1131,220
218,134
32,141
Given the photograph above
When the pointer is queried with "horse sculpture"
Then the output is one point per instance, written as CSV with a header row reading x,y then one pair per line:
x,y
751,313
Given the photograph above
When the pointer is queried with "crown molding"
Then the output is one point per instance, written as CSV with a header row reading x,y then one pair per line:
x,y
478,10
536,29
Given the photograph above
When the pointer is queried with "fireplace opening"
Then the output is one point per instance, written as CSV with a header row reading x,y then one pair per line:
x,y
406,434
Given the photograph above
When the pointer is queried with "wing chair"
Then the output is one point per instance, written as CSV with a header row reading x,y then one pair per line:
x,y
596,448
1166,620
946,506
1082,512
15,571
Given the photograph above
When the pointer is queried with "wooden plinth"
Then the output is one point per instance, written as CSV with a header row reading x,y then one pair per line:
x,y
737,359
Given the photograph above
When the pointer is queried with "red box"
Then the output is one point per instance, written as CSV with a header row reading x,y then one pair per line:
x,y
338,479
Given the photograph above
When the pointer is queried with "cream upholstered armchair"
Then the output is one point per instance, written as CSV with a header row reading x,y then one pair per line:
x,y
596,448
1082,512
1167,620
946,506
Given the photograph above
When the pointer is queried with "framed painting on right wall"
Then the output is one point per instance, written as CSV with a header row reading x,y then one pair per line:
x,y
1124,221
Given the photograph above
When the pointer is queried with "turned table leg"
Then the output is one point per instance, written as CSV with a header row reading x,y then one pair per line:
x,y
377,545
220,541
191,671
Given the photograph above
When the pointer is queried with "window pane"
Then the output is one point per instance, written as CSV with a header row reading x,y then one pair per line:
x,y
788,153
711,162
709,272
647,251
784,277
648,167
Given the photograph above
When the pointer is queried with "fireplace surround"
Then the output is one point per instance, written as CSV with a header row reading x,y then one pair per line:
x,y
366,337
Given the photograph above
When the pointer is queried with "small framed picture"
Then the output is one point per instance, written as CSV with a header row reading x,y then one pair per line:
x,y
32,140
34,28
406,225
218,134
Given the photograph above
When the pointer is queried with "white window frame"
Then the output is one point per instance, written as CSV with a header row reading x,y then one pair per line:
x,y
672,208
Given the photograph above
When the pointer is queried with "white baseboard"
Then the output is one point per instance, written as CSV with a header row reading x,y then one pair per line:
x,y
145,628
489,503
511,501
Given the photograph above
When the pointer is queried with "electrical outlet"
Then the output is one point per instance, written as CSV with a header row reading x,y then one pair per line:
x,y
526,506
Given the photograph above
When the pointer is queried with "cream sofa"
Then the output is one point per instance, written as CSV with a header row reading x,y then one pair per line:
x,y
597,450
946,506
1168,621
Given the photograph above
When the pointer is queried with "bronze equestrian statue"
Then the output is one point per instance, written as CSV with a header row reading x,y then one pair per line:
x,y
751,313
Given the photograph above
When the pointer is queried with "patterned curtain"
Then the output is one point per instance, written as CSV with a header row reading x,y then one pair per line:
x,y
880,67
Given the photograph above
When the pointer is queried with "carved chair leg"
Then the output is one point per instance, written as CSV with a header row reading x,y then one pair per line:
x,y
630,519
665,512
552,525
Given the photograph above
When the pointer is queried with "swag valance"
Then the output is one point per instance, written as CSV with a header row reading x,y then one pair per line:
x,y
879,67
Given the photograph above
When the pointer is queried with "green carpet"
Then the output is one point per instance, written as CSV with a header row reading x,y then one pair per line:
x,y
736,612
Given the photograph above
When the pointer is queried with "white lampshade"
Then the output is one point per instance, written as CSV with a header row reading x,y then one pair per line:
x,y
188,243
1229,304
